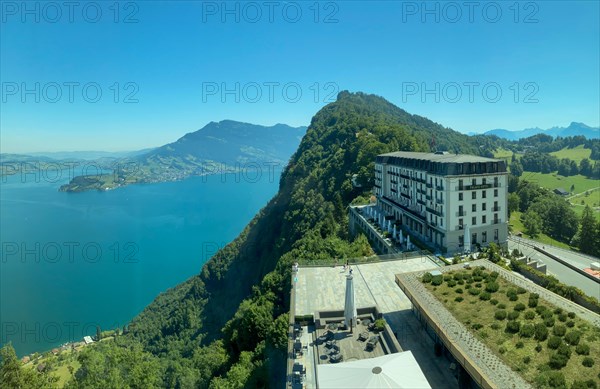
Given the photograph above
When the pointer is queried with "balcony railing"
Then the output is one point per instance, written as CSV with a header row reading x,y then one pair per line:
x,y
439,201
459,227
459,213
497,221
433,211
439,187
496,209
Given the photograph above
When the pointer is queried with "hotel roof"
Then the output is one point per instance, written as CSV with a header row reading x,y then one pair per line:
x,y
443,157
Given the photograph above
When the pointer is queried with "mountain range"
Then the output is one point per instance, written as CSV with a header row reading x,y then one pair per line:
x,y
217,147
574,129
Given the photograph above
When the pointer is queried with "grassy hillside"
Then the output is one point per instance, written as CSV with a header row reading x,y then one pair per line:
x,y
576,153
554,180
227,326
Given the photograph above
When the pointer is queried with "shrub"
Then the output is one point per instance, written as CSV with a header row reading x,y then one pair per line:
x,y
485,296
558,361
520,307
512,327
587,362
547,315
540,309
513,297
559,330
520,344
565,350
492,287
477,278
427,278
562,317
458,276
527,331
500,315
476,326
513,315
501,306
570,324
556,379
554,342
447,277
510,292
549,321
451,283
532,303
541,332
534,296
573,337
493,301
521,290
495,326
529,315
502,350
458,290
538,347
493,275
458,299
527,359
582,349
558,311
437,280
474,291
571,315
589,384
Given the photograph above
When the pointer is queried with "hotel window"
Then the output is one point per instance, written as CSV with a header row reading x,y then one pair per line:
x,y
483,181
460,184
495,234
483,194
460,223
496,181
474,181
461,240
460,196
460,210
473,195
483,206
474,208
474,238
483,219
473,220
484,237
495,192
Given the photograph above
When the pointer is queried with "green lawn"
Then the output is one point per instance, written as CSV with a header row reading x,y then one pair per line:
x,y
517,226
504,154
466,295
554,180
576,154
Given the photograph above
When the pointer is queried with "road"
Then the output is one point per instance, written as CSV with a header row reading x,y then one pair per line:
x,y
565,274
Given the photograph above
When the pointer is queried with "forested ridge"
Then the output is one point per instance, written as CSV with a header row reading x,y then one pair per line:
x,y
227,326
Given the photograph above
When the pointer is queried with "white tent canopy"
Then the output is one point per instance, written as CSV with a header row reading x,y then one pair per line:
x,y
399,370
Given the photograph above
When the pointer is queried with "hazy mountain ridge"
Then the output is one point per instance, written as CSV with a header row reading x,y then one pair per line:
x,y
574,129
217,147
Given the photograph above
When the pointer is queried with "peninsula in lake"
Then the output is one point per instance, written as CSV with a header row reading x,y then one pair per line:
x,y
220,147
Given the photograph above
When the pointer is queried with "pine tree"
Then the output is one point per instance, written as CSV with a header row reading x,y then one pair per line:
x,y
588,229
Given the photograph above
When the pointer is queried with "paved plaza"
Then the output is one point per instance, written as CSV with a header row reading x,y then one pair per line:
x,y
323,288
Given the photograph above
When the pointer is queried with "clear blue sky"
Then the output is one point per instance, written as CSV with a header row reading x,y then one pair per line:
x,y
178,52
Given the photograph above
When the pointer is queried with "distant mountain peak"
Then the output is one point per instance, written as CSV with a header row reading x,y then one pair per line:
x,y
574,129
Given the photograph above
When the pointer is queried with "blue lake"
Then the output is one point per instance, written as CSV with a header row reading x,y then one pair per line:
x,y
74,261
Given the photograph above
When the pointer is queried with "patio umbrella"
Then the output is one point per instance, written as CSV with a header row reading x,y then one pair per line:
x,y
398,370
408,242
350,305
395,232
400,237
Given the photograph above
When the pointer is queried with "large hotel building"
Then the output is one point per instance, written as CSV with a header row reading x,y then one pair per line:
x,y
439,197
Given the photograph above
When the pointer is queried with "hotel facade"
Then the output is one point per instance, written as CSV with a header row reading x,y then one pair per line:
x,y
451,202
